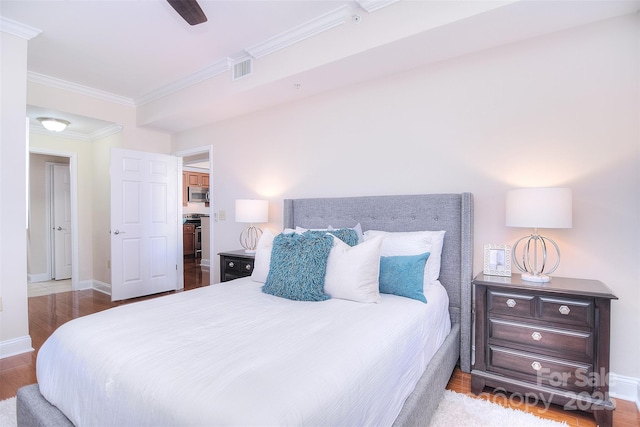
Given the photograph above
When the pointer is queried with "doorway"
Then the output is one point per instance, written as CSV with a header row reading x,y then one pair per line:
x,y
196,264
51,236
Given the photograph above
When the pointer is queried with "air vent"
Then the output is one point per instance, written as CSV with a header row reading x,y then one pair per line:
x,y
242,68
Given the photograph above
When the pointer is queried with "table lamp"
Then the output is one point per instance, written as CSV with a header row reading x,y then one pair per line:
x,y
251,211
537,208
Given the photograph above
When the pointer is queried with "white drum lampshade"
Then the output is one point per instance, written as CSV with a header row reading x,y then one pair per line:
x,y
537,208
252,212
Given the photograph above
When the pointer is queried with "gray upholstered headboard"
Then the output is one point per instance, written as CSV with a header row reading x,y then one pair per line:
x,y
450,212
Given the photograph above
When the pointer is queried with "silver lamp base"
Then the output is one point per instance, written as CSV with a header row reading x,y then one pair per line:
x,y
527,261
249,239
540,278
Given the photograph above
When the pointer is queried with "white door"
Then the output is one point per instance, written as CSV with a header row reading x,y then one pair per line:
x,y
144,223
61,222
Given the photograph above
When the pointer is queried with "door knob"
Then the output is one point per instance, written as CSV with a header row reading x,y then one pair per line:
x,y
59,228
118,232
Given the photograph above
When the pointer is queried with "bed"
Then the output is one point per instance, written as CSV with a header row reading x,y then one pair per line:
x,y
329,394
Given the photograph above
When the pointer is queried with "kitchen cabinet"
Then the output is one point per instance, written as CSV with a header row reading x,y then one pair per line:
x,y
188,239
193,179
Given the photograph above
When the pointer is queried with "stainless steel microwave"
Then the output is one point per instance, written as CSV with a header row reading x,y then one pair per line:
x,y
198,194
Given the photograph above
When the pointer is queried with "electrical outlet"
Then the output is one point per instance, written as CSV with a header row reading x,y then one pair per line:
x,y
215,217
222,215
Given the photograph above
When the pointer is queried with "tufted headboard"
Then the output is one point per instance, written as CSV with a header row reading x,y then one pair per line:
x,y
450,212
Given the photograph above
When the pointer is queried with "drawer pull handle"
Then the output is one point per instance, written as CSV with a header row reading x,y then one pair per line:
x,y
231,264
511,303
536,365
564,309
537,336
248,267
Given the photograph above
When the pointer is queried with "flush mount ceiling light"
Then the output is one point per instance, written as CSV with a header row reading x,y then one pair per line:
x,y
54,125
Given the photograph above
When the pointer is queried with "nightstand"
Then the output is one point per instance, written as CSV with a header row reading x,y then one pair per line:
x,y
235,264
544,341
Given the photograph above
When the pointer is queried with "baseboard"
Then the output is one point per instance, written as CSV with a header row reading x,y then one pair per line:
x,y
15,346
84,284
625,388
103,287
40,277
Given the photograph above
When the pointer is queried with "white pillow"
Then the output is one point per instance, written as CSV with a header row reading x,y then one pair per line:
x,y
352,271
413,243
263,257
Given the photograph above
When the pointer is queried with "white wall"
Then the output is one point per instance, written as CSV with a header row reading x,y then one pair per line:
x,y
559,110
14,326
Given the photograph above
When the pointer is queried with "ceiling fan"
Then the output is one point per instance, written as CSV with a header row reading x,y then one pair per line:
x,y
190,10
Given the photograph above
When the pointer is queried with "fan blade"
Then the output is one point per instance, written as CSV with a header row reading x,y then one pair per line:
x,y
190,10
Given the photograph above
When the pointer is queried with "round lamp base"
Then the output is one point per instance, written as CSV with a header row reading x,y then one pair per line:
x,y
539,278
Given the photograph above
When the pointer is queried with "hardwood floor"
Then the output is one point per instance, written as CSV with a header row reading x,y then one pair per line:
x,y
48,312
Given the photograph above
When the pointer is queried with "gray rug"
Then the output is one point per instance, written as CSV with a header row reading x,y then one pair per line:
x,y
455,410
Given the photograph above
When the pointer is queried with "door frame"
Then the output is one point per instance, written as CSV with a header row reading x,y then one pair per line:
x,y
186,153
73,174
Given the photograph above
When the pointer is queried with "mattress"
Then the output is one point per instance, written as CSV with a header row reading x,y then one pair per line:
x,y
229,354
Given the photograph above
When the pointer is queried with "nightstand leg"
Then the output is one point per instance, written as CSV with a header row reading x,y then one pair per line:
x,y
477,384
604,417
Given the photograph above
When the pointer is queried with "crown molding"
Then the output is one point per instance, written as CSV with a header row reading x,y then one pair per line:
x,y
212,70
94,136
303,31
18,29
105,132
77,88
373,5
34,128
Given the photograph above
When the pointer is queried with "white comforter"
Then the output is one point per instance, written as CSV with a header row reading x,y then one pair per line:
x,y
230,355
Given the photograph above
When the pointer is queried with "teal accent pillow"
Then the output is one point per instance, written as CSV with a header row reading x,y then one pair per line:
x,y
298,265
403,275
347,235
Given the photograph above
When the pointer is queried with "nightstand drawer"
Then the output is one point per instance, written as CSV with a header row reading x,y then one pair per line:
x,y
541,370
239,266
567,311
511,304
565,343
235,264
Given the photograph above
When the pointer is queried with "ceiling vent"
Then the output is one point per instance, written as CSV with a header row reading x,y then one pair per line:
x,y
242,68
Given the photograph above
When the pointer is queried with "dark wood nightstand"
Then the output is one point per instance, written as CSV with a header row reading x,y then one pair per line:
x,y
235,264
544,341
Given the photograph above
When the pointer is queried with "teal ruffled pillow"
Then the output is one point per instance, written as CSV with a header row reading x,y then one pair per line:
x,y
298,266
403,275
347,235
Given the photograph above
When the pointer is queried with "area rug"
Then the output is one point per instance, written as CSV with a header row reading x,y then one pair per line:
x,y
455,409
8,412
459,410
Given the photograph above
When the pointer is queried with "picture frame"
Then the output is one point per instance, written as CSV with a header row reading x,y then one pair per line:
x,y
497,260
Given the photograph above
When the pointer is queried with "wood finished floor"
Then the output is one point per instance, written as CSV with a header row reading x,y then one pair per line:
x,y
48,312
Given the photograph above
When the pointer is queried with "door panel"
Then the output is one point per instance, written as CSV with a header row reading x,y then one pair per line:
x,y
61,222
144,223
